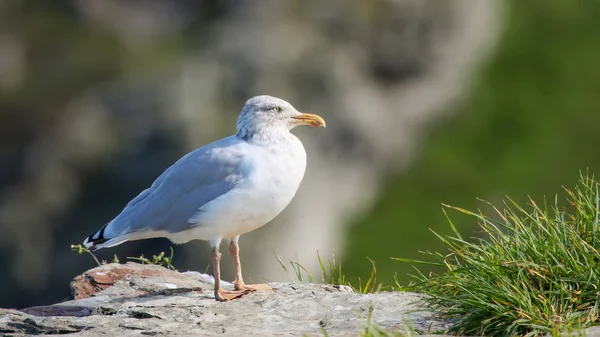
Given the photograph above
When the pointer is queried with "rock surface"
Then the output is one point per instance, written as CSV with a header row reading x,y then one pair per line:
x,y
135,299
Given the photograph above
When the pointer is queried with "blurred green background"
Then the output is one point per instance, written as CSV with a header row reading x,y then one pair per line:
x,y
98,98
528,125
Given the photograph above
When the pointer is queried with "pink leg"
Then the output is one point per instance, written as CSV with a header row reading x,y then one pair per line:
x,y
238,282
220,294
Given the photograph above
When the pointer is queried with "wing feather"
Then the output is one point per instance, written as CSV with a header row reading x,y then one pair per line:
x,y
177,194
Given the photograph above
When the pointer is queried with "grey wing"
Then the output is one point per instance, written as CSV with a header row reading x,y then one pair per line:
x,y
180,191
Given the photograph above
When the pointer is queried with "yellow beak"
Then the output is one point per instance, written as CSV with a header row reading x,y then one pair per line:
x,y
310,119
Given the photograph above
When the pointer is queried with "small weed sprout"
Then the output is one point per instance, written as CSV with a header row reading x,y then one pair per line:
x,y
159,260
79,249
371,329
331,273
371,286
298,269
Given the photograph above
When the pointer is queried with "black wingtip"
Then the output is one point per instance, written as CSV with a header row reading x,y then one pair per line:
x,y
96,238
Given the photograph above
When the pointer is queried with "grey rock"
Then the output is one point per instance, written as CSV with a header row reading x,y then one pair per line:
x,y
291,309
593,331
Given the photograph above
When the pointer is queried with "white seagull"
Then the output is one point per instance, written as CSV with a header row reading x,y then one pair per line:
x,y
223,189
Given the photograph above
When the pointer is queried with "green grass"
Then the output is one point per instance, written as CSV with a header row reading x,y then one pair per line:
x,y
530,271
331,273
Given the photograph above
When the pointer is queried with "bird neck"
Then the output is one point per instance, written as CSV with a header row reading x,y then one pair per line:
x,y
264,135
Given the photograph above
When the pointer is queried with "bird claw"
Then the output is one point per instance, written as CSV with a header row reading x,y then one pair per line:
x,y
253,287
227,295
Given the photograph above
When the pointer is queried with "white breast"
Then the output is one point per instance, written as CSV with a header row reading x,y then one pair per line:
x,y
274,175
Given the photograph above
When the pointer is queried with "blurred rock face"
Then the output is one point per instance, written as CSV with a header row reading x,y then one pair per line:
x,y
103,96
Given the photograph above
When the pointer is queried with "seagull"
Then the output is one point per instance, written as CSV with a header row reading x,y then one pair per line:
x,y
221,190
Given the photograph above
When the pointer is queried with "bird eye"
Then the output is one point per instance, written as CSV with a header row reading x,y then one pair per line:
x,y
276,109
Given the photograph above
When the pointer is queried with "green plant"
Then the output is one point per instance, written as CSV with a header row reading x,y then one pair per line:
x,y
331,273
534,271
370,329
371,286
160,259
297,268
79,249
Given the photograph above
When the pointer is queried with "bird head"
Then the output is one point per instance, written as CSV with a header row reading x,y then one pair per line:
x,y
266,116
